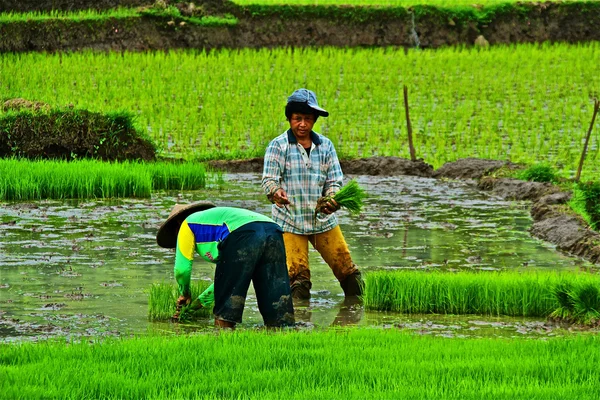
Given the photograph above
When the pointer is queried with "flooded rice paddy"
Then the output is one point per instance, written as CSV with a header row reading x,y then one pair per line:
x,y
84,268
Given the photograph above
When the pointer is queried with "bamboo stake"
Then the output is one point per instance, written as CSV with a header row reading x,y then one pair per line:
x,y
411,146
587,140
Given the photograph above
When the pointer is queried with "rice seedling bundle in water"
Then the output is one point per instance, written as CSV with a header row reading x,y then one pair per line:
x,y
163,298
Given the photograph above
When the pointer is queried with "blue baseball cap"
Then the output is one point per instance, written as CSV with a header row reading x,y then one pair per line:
x,y
309,98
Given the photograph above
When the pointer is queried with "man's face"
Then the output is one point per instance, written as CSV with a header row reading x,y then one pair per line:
x,y
302,124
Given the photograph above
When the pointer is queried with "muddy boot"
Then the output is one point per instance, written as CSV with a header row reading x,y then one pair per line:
x,y
352,285
301,290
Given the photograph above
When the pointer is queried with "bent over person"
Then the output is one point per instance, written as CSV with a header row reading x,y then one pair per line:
x,y
245,246
300,167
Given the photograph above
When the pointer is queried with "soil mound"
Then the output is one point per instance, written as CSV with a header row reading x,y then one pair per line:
x,y
386,166
471,168
515,189
72,134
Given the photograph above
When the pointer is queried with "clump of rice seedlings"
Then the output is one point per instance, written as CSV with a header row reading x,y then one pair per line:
x,y
561,292
590,196
22,179
350,197
163,298
586,303
538,173
566,296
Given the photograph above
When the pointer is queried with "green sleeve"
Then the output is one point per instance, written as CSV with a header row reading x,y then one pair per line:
x,y
208,296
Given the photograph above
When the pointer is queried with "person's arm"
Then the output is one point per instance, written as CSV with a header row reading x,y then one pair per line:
x,y
208,296
184,256
273,167
334,179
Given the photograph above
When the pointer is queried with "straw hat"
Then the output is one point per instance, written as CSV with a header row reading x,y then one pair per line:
x,y
167,233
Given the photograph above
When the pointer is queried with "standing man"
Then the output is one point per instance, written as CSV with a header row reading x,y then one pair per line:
x,y
246,246
300,167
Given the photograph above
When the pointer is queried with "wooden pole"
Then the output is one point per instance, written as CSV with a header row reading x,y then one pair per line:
x,y
587,140
411,146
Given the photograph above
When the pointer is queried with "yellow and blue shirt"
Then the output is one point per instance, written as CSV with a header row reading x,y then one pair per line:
x,y
202,232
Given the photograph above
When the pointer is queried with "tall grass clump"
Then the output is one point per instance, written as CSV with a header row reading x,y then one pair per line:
x,y
566,296
163,298
538,173
22,179
589,194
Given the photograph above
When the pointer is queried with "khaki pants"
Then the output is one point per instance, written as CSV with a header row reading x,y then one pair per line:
x,y
332,247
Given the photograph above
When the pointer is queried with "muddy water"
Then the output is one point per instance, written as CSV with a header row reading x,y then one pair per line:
x,y
84,268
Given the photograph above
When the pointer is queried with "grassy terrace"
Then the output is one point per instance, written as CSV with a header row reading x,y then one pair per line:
x,y
349,364
385,3
117,13
528,103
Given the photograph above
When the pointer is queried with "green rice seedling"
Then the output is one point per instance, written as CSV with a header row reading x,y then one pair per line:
x,y
191,117
163,298
586,303
538,173
22,179
332,364
350,197
512,293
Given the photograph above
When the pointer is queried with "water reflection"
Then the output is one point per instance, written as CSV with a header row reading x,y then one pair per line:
x,y
82,267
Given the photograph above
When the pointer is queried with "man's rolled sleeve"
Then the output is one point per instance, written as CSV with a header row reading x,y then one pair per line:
x,y
273,166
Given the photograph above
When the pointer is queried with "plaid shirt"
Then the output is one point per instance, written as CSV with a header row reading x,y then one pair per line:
x,y
304,178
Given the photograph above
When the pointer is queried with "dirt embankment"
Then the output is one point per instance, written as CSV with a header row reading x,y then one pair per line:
x,y
552,219
311,26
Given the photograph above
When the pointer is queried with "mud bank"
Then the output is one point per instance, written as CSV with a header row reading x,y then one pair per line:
x,y
553,221
274,26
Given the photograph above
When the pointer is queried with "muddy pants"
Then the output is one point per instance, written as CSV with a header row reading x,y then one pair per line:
x,y
332,247
253,252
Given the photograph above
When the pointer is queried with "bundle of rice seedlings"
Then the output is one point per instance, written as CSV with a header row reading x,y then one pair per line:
x,y
162,302
350,196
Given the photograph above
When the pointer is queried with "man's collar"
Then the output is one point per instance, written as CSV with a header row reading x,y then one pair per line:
x,y
313,136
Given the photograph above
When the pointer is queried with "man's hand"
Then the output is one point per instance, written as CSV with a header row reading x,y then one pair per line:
x,y
196,305
279,198
327,205
181,301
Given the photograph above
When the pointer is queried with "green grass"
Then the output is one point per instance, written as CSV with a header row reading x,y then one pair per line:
x,y
116,13
335,364
464,102
162,299
511,293
34,180
384,3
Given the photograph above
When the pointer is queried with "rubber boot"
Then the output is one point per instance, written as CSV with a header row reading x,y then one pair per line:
x,y
353,284
301,290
